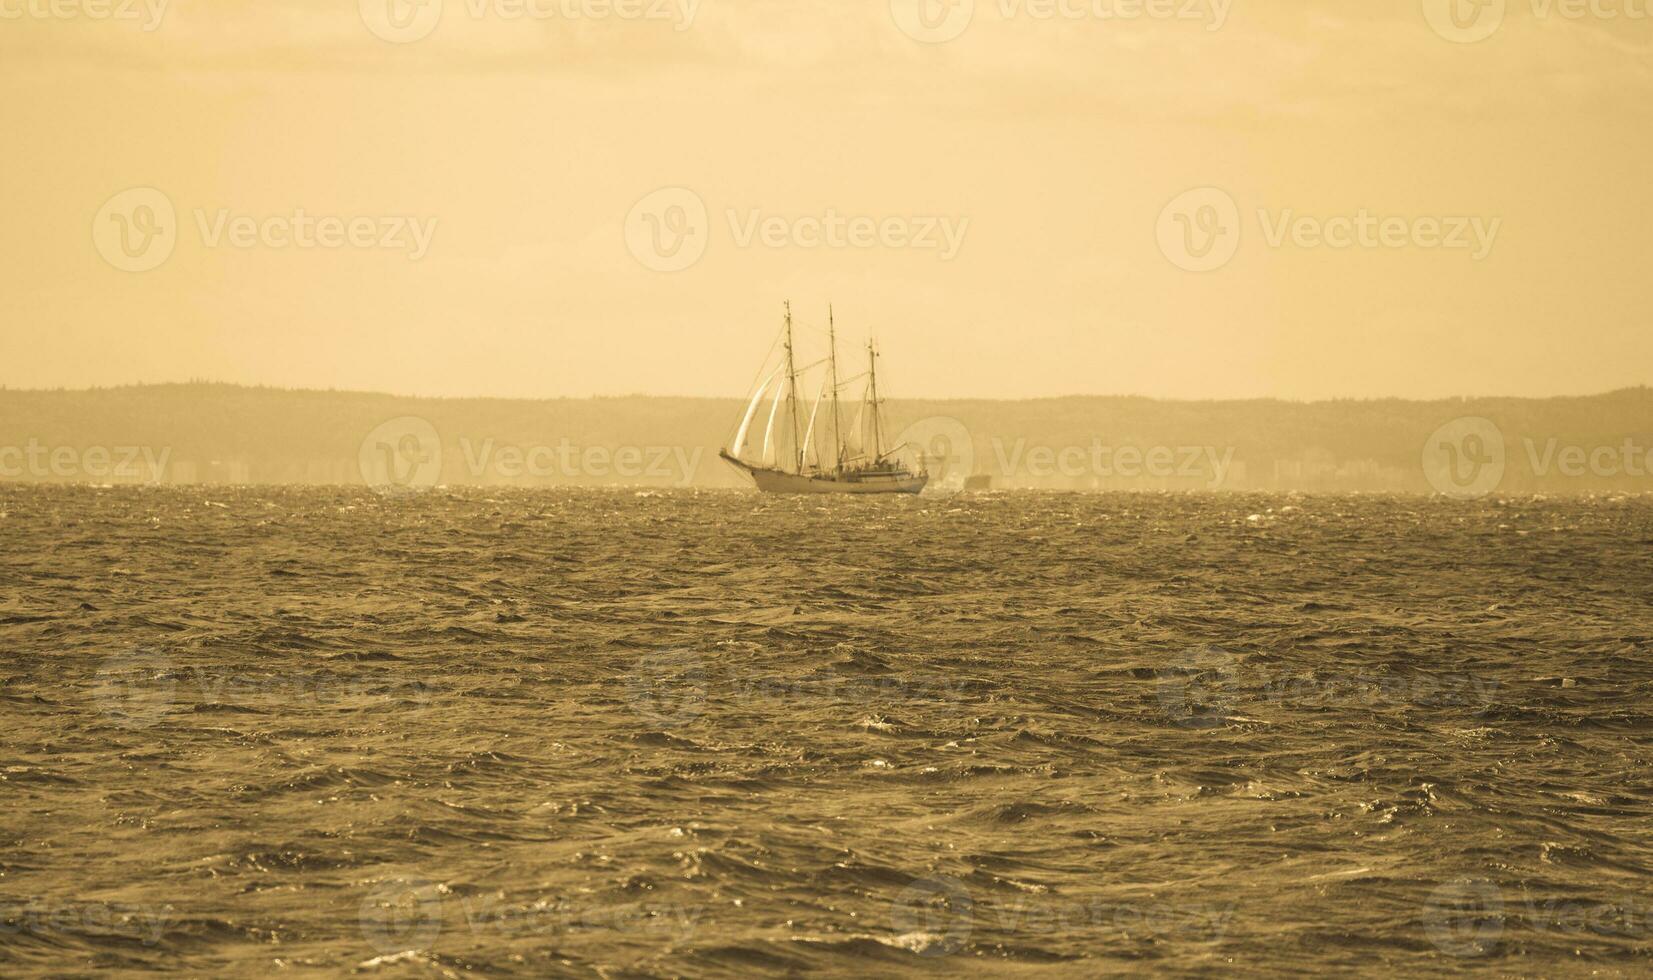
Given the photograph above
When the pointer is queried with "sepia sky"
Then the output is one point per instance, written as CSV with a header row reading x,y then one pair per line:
x,y
1119,198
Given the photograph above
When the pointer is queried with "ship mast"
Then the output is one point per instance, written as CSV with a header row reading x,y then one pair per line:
x,y
877,423
837,434
792,396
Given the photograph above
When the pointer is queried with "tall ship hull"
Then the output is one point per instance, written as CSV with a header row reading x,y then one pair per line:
x,y
807,448
778,481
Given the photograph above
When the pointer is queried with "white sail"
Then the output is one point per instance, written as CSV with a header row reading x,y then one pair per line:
x,y
809,433
856,443
746,420
769,431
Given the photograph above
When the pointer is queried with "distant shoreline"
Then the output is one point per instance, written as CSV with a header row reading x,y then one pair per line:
x,y
220,434
737,397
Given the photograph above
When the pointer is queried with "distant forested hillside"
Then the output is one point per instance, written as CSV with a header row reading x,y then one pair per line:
x,y
215,433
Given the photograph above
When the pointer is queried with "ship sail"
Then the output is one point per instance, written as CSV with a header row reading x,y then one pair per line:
x,y
769,430
751,409
857,430
809,433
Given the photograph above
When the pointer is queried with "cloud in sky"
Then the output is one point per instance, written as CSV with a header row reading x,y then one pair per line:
x,y
1215,56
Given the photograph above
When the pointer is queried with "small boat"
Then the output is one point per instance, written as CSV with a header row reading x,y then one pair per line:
x,y
820,455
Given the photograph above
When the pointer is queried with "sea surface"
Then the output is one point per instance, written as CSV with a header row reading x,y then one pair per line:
x,y
291,732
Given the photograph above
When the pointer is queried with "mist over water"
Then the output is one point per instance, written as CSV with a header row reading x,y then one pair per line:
x,y
252,731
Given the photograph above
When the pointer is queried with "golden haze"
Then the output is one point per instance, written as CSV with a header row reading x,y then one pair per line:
x,y
1047,147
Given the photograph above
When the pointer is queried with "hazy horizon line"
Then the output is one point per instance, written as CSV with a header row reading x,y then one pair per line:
x,y
205,383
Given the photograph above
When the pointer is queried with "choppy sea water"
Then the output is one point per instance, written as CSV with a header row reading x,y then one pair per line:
x,y
263,731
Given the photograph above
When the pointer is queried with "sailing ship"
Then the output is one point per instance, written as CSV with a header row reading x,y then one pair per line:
x,y
800,458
